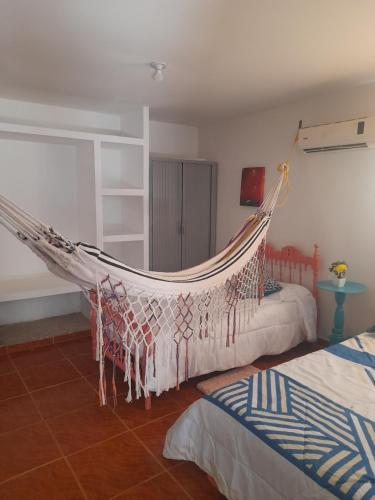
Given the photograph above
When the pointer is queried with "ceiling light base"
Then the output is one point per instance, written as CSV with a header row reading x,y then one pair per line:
x,y
158,68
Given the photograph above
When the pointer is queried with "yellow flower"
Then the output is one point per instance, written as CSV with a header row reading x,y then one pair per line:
x,y
341,268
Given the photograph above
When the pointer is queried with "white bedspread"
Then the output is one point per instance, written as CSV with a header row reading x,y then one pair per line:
x,y
283,320
248,467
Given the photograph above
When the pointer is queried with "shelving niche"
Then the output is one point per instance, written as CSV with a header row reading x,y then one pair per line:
x,y
89,183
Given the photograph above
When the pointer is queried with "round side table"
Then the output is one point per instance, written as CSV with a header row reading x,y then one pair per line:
x,y
351,287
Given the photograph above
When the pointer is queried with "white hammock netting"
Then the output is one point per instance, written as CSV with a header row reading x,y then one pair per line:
x,y
147,320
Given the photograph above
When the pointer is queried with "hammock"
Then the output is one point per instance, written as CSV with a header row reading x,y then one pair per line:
x,y
143,317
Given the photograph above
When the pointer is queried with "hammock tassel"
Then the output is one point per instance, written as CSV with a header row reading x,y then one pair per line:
x,y
228,334
177,366
100,348
187,359
114,388
137,374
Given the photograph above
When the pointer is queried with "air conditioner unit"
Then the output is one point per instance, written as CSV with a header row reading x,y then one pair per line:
x,y
351,134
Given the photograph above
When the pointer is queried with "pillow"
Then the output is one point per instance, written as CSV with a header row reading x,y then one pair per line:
x,y
271,286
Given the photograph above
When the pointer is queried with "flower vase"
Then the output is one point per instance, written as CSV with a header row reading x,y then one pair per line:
x,y
339,282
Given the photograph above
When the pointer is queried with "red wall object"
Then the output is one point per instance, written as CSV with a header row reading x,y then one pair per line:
x,y
252,186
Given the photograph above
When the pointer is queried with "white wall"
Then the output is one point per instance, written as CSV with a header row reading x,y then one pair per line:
x,y
332,195
43,179
18,311
174,140
42,114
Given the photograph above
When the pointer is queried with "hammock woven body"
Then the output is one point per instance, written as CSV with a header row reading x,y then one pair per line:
x,y
143,317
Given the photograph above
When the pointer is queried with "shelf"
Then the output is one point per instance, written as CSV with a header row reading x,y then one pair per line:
x,y
117,232
37,285
113,238
72,135
122,192
122,215
122,166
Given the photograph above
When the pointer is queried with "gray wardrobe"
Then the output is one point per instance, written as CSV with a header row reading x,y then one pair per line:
x,y
182,213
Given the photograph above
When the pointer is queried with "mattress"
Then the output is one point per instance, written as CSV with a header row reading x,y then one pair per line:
x,y
283,320
304,430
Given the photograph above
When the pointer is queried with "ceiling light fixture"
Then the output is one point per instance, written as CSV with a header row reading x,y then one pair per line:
x,y
158,68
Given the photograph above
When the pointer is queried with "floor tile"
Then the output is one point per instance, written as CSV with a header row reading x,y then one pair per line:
x,y
75,348
153,435
67,337
11,385
159,488
62,398
42,329
56,372
121,386
36,356
134,413
187,394
28,346
6,365
113,466
85,364
93,380
17,412
26,448
196,482
84,427
50,482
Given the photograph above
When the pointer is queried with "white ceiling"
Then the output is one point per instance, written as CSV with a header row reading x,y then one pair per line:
x,y
224,57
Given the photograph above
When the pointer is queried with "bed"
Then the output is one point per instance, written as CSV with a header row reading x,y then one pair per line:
x,y
283,320
304,430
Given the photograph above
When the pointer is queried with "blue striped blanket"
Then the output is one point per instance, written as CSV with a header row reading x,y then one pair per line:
x,y
333,445
357,350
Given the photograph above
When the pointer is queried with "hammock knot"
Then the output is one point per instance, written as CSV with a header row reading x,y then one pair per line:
x,y
283,168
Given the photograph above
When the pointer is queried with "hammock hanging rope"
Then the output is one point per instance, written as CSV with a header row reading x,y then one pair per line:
x,y
145,319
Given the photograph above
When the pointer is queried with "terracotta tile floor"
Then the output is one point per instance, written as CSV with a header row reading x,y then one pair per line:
x,y
57,443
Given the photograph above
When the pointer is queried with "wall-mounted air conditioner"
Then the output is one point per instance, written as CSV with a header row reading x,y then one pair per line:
x,y
351,134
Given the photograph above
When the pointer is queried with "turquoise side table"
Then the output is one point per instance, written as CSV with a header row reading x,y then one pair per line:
x,y
350,287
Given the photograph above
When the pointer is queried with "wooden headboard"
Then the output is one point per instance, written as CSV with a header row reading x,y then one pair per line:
x,y
290,265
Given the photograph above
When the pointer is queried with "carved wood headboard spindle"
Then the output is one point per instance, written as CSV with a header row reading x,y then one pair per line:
x,y
294,261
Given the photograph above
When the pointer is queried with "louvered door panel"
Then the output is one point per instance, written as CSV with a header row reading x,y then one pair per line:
x,y
166,209
196,213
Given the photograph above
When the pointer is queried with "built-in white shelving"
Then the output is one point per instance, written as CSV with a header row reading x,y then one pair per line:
x,y
122,192
105,173
112,238
33,286
123,198
26,131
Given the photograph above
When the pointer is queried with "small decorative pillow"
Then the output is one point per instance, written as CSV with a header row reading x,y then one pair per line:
x,y
271,286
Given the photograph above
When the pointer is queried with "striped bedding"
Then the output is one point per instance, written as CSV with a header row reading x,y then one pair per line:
x,y
301,431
